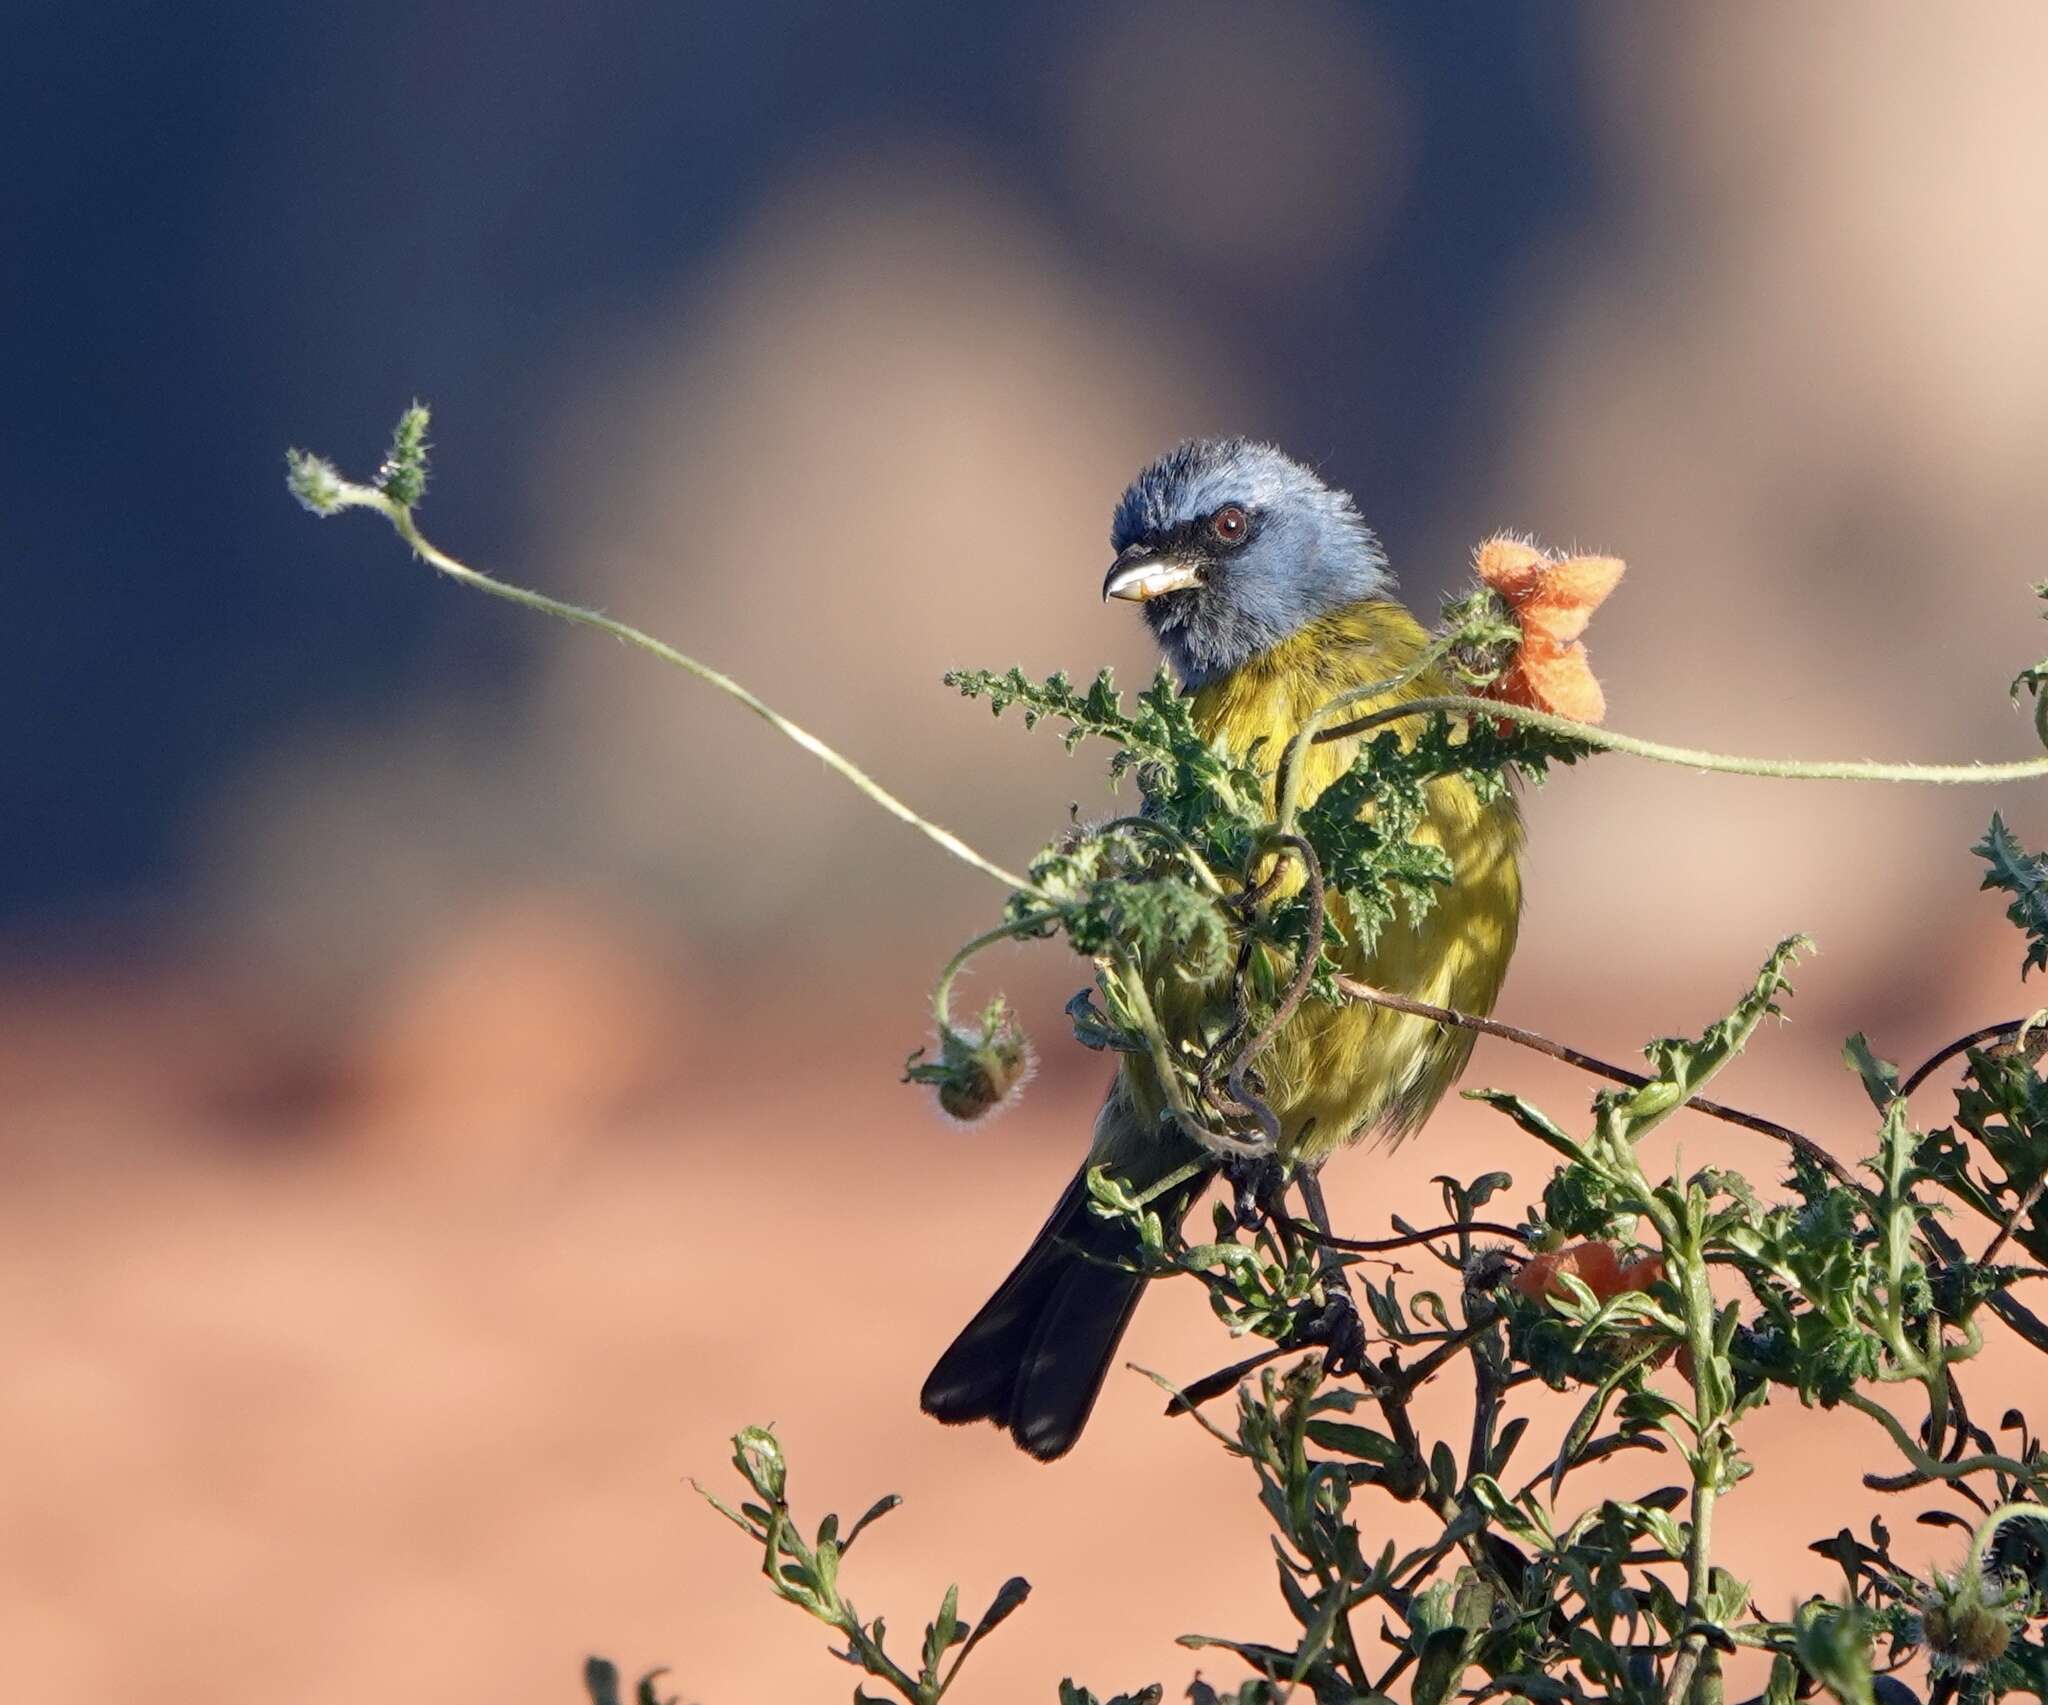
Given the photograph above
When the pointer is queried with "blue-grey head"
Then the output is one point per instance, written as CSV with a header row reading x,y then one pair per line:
x,y
1232,547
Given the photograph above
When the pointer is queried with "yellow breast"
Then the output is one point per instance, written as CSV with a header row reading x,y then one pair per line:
x,y
1336,1074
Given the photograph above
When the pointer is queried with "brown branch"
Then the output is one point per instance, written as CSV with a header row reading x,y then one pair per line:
x,y
1805,1146
1961,1045
1381,1245
2020,1210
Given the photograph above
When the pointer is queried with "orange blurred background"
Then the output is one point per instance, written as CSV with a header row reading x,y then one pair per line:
x,y
494,1103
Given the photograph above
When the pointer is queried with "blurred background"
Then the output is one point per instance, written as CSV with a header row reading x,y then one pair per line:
x,y
407,1007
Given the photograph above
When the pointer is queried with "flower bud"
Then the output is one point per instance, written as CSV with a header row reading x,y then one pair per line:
x,y
1970,1635
980,1070
313,480
1963,1629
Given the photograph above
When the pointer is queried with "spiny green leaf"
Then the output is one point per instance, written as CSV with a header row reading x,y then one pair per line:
x,y
1683,1066
2024,876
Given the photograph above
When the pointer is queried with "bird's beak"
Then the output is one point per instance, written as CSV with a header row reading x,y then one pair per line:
x,y
1137,576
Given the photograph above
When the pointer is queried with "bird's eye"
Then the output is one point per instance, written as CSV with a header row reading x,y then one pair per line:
x,y
1230,524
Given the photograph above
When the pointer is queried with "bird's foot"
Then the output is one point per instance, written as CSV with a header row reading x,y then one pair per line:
x,y
1338,1327
1258,1184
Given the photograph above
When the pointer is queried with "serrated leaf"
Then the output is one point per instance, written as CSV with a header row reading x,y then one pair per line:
x,y
1531,1118
1684,1066
2024,876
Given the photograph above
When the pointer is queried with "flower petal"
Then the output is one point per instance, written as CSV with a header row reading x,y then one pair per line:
x,y
1551,600
1561,681
1511,566
1566,594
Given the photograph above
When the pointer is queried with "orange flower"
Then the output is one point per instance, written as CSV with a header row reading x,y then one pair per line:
x,y
1551,599
1598,1266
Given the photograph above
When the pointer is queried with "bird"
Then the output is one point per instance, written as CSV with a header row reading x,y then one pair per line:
x,y
1268,596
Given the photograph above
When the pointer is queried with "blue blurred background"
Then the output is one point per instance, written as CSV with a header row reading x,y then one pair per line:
x,y
448,1063
236,227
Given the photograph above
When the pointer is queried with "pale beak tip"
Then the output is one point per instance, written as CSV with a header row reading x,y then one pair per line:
x,y
1152,577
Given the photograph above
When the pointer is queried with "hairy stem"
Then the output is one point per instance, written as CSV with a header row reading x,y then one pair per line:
x,y
942,990
353,496
1910,1447
1692,758
1987,1530
1131,978
1287,780
1706,1470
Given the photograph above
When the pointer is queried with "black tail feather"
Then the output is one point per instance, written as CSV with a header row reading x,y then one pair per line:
x,y
1034,1358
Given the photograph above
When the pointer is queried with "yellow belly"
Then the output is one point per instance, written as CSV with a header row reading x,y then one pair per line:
x,y
1337,1074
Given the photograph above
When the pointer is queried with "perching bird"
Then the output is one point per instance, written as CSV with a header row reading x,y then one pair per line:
x,y
1269,596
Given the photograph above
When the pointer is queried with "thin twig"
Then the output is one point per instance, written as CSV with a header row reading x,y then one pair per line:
x,y
1961,1045
2020,1210
1410,1379
1381,1245
1803,1145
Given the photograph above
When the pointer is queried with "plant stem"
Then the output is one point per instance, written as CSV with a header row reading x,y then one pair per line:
x,y
1287,780
1297,990
1698,1570
1699,1550
942,990
1980,1541
1688,757
1919,1458
1408,1240
353,496
2020,1210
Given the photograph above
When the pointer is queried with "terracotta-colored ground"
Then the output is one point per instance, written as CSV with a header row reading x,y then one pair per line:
x,y
378,1363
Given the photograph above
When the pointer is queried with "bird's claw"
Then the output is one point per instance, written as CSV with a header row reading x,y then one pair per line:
x,y
1338,1327
1257,1184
